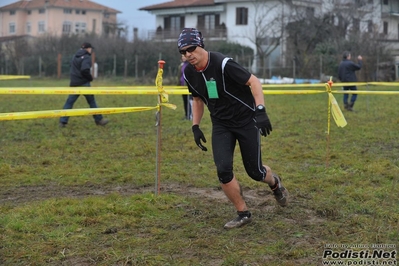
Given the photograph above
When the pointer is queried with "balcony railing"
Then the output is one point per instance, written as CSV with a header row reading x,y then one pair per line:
x,y
160,34
392,9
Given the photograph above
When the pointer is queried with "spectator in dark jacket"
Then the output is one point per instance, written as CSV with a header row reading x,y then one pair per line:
x,y
80,76
346,73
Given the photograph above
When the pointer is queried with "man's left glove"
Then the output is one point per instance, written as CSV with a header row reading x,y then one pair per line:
x,y
262,121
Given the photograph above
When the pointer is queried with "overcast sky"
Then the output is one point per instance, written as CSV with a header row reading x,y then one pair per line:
x,y
130,15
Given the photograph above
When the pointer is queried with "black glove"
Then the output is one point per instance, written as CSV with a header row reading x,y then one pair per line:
x,y
262,121
198,136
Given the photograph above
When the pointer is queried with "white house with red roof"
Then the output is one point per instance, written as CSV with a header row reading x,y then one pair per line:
x,y
248,22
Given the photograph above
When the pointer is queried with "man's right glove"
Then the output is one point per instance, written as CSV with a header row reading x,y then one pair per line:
x,y
198,136
262,121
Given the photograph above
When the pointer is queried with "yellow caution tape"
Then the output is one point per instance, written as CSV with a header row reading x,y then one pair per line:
x,y
368,92
169,105
181,91
335,110
346,84
74,90
292,92
155,91
76,112
10,77
163,92
393,84
164,98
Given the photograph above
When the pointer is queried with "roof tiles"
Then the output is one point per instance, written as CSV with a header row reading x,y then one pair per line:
x,y
82,4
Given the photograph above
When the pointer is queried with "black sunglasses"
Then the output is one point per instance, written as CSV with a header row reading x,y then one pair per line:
x,y
189,49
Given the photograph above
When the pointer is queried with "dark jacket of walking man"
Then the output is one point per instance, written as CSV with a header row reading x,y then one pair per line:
x,y
346,73
235,100
80,76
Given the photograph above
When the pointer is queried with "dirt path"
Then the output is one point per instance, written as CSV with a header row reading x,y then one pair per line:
x,y
22,194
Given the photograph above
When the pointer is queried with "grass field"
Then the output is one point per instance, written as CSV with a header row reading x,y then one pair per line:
x,y
84,195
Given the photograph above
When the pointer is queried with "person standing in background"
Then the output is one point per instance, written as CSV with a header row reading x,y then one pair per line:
x,y
346,73
187,98
80,76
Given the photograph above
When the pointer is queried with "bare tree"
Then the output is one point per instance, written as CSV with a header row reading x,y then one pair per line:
x,y
319,40
14,52
268,28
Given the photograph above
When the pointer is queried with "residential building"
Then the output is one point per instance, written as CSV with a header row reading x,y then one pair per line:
x,y
258,24
57,17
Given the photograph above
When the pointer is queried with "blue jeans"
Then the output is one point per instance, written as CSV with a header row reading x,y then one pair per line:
x,y
71,101
187,102
346,96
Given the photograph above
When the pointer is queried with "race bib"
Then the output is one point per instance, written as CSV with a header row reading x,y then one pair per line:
x,y
212,89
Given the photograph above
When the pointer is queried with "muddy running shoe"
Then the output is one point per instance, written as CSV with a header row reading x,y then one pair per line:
x,y
243,218
280,192
102,122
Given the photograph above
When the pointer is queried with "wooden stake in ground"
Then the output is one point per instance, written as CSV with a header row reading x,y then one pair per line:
x,y
162,98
